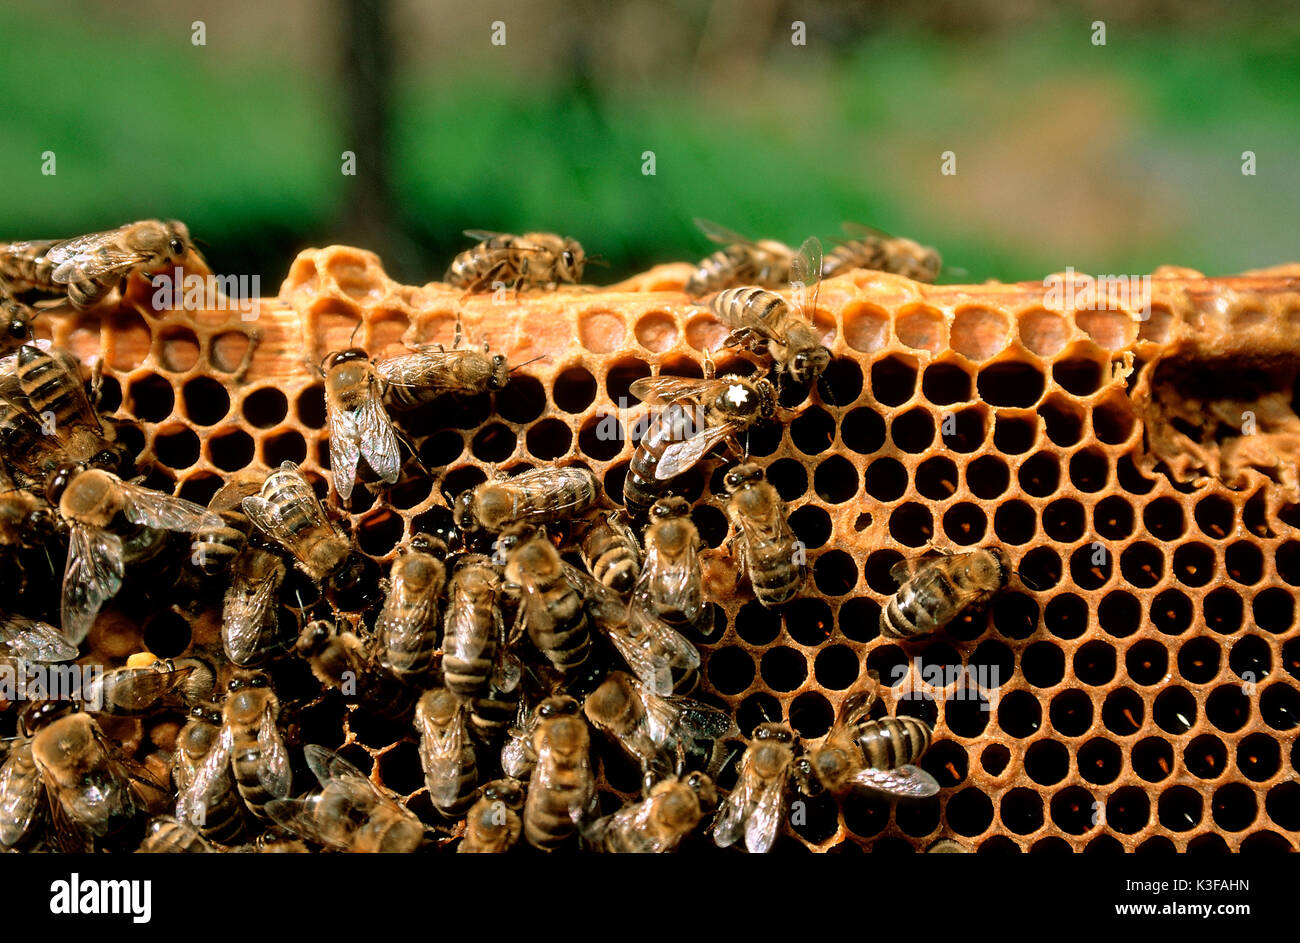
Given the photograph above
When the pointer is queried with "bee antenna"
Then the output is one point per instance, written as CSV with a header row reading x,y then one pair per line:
x,y
354,333
519,366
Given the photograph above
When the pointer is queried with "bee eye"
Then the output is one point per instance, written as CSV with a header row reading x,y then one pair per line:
x,y
568,257
177,247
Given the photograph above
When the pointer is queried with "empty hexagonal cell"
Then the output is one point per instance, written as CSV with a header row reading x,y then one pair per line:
x,y
230,450
150,397
176,446
1010,383
286,446
842,381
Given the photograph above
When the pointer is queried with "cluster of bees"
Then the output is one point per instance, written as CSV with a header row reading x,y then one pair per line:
x,y
490,642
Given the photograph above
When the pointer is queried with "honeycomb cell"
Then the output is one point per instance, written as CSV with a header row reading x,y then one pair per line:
x,y
1043,332
1071,713
911,524
1128,810
1142,564
657,331
231,450
1112,518
619,378
1244,563
1180,808
789,478
549,439
1099,761
842,381
979,333
893,381
1079,377
936,478
866,327
835,573
286,446
1279,706
176,446
601,332
229,350
964,524
988,477
920,328
310,407
1153,759
1062,421
1040,569
1019,714
1014,523
1064,520
944,384
808,621
1214,516
1074,810
913,431
1206,757
1198,660
1274,610
1174,710
1010,384
1122,712
862,431
783,669
1147,662
1113,422
1282,805
178,349
859,619
1021,811
1014,435
886,479
969,812
150,398
813,431
1089,470
1193,564
836,667
1040,475
1043,664
812,525
730,670
495,442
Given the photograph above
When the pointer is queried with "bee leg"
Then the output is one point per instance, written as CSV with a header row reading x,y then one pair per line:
x,y
96,381
458,335
805,779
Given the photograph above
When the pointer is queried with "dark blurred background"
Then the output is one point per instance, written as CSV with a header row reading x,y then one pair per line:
x,y
1110,158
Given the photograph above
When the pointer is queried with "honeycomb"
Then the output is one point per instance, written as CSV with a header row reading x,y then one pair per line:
x,y
1138,680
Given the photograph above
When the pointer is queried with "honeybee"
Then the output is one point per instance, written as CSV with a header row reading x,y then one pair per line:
x,y
91,500
213,806
287,511
358,423
430,371
492,825
446,753
26,519
768,550
650,727
552,611
872,249
93,789
48,419
473,627
671,584
539,496
699,416
250,624
89,267
762,320
755,808
741,261
15,322
517,755
148,683
168,836
216,548
612,553
533,259
25,639
933,592
657,824
341,660
407,626
872,754
249,746
561,788
349,813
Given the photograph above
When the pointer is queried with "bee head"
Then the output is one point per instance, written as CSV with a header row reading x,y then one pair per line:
x,y
314,636
20,322
343,356
59,480
809,364
705,791
208,713
770,732
559,706
572,260
742,475
178,238
427,543
506,791
39,714
500,375
462,510
248,679
668,508
765,391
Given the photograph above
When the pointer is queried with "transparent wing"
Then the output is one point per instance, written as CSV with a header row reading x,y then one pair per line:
x,y
192,803
20,794
92,576
162,511
856,706
652,649
806,266
555,481
681,456
301,816
247,607
379,444
135,689
673,717
92,256
482,235
765,821
268,518
729,825
907,782
721,234
669,389
345,449
31,640
441,755
678,583
329,768
863,231
274,773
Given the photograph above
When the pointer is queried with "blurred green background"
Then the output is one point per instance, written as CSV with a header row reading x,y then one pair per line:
x,y
1112,158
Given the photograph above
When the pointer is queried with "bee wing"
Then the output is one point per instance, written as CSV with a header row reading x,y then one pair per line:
x,y
482,235
765,821
93,575
663,389
93,255
135,689
681,456
652,648
245,610
270,519
721,234
192,802
70,836
863,231
398,621
679,581
329,767
153,509
31,640
20,794
274,773
906,782
580,799
856,705
752,810
674,717
441,756
806,266
300,817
